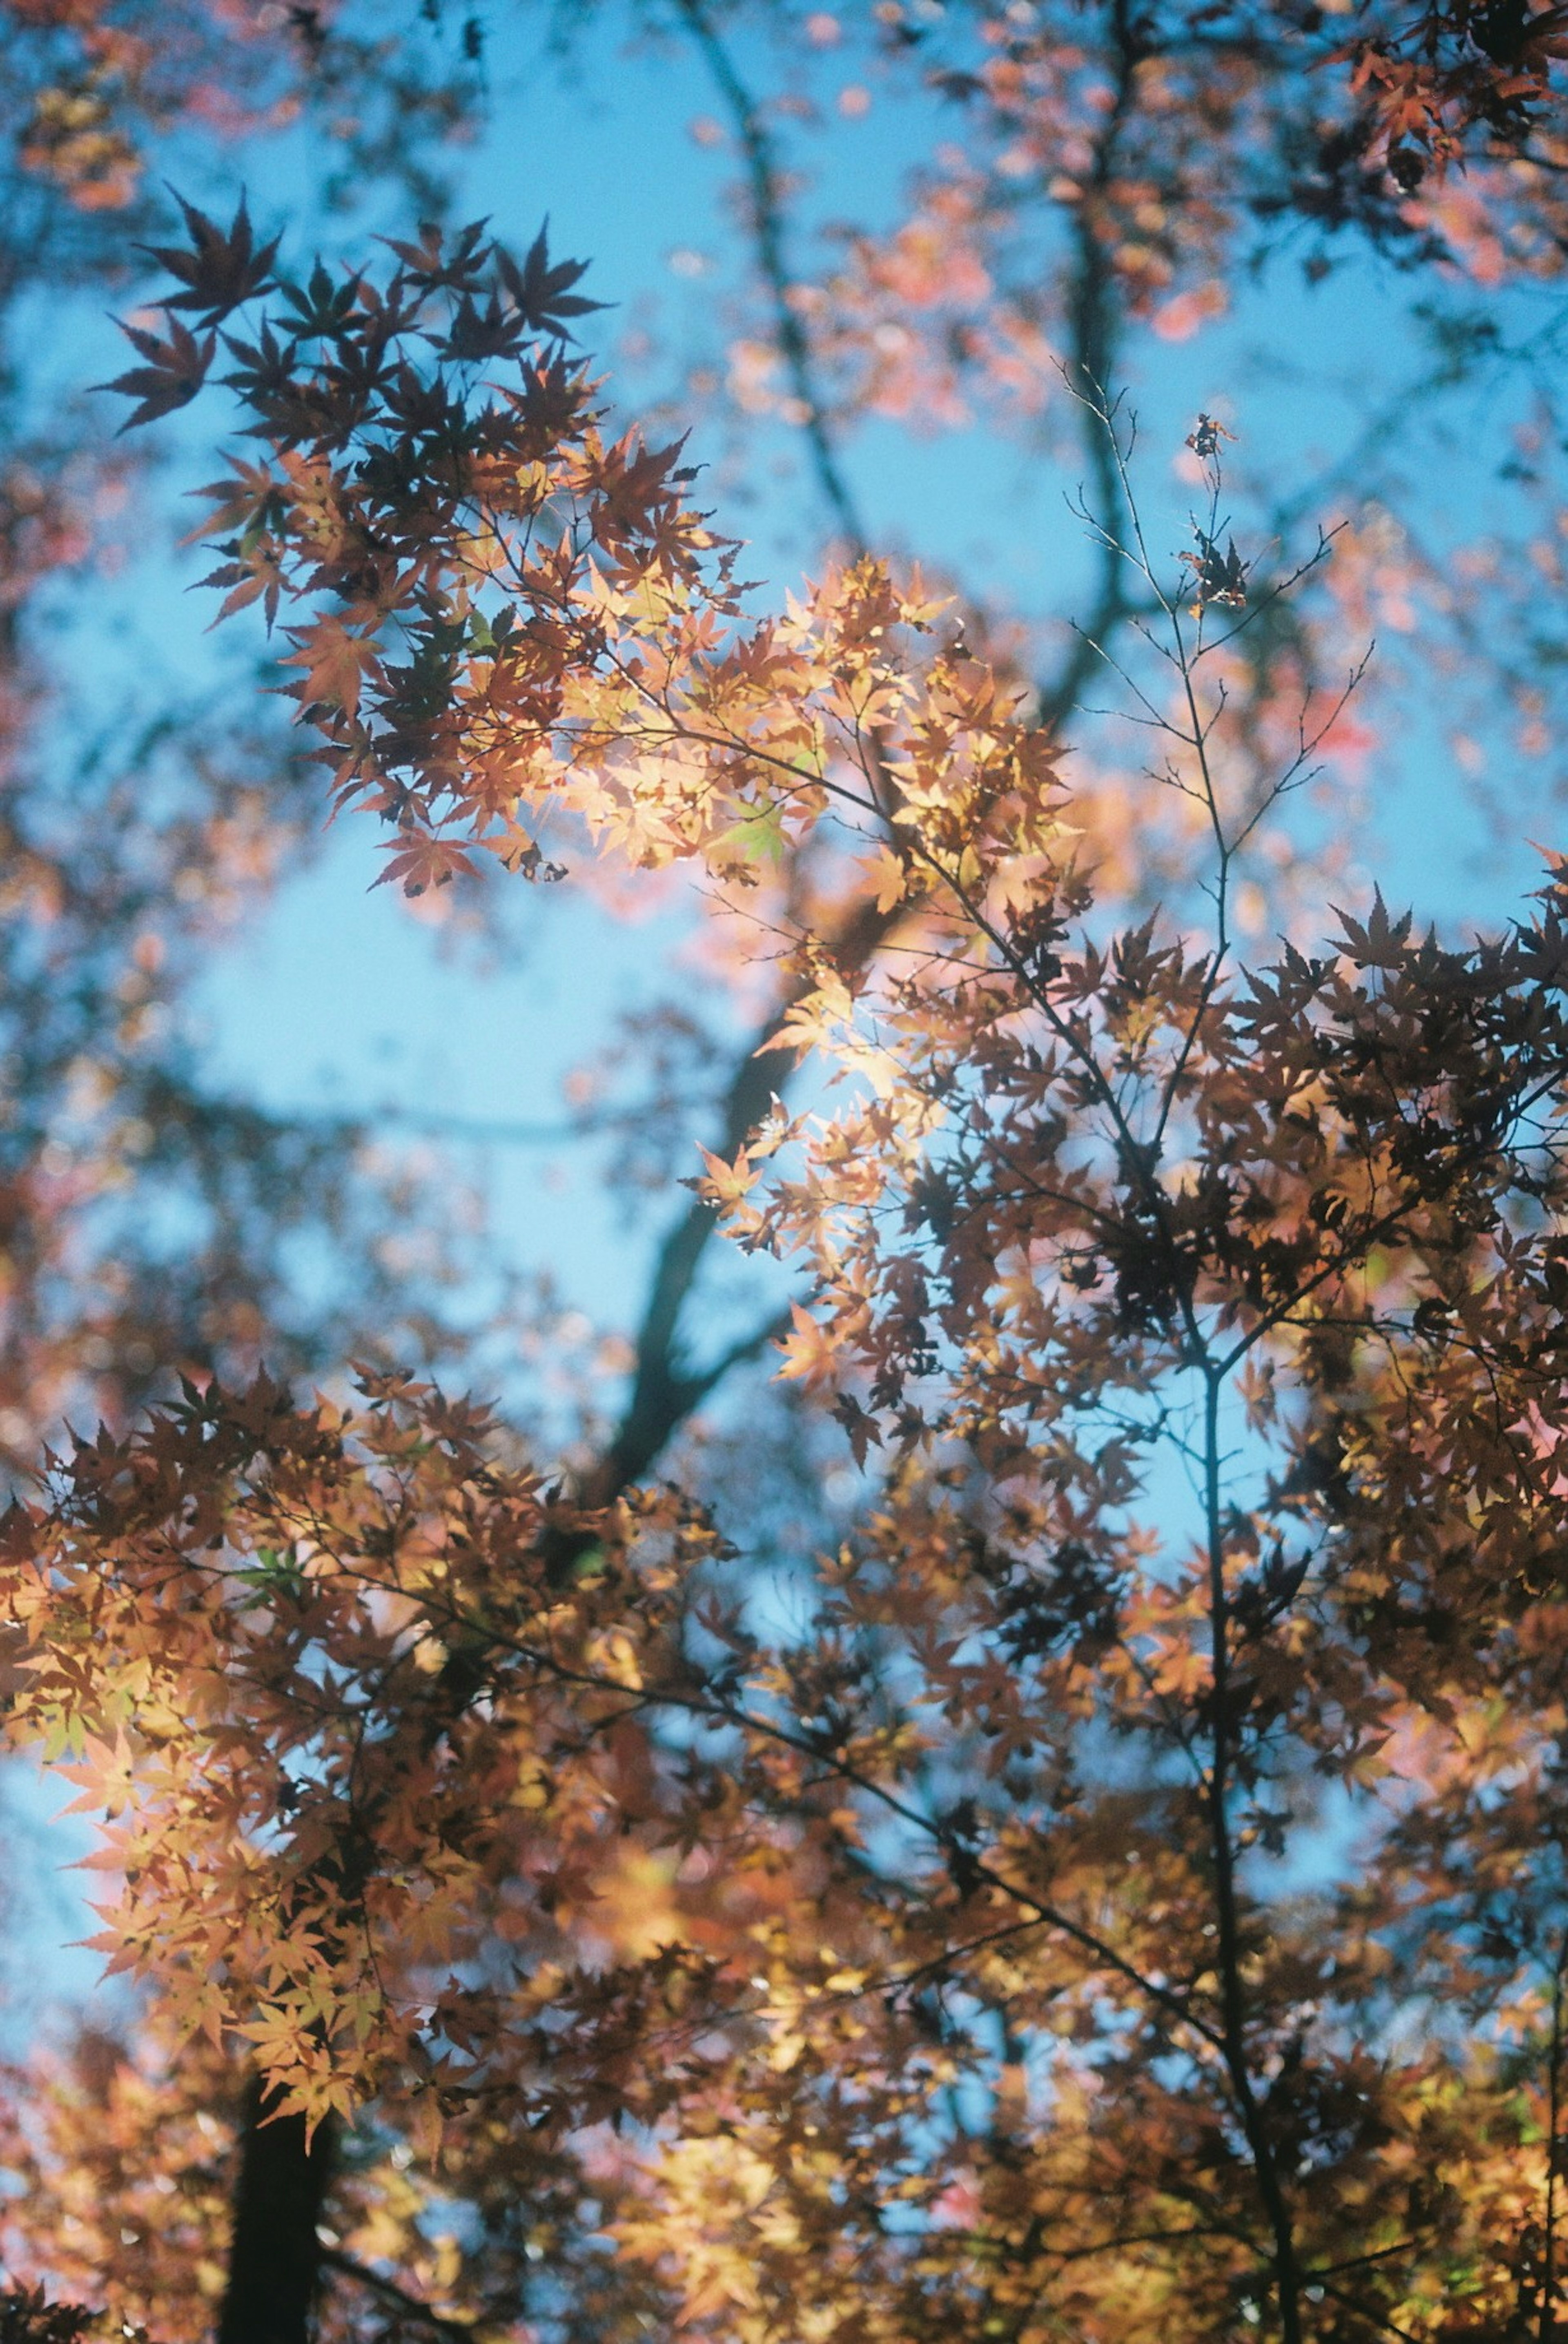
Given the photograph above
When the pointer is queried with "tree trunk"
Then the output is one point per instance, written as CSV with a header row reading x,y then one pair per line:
x,y
275,2259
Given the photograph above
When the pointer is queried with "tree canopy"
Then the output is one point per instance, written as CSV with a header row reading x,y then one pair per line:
x,y
1007,1778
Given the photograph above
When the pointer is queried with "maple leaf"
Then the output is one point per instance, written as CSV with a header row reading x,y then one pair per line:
x,y
727,1184
218,270
1379,944
809,1354
1219,577
418,859
174,371
436,266
324,306
336,663
1205,436
543,294
864,1432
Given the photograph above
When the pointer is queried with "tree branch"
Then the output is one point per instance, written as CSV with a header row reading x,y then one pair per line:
x,y
461,2331
764,188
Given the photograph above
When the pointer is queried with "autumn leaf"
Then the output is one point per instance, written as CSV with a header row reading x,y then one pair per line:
x,y
220,269
175,368
418,859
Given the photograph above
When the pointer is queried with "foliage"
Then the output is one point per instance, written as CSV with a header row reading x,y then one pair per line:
x,y
1117,1890
27,2318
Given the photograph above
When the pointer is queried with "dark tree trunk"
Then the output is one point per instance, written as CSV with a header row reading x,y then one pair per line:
x,y
275,2260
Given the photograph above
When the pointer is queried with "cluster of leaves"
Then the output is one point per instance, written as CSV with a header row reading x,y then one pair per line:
x,y
148,1221
933,1954
396,1690
25,2318
503,598
1099,175
1435,76
95,86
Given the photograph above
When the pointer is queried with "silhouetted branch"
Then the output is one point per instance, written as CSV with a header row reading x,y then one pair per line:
x,y
411,2306
763,180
